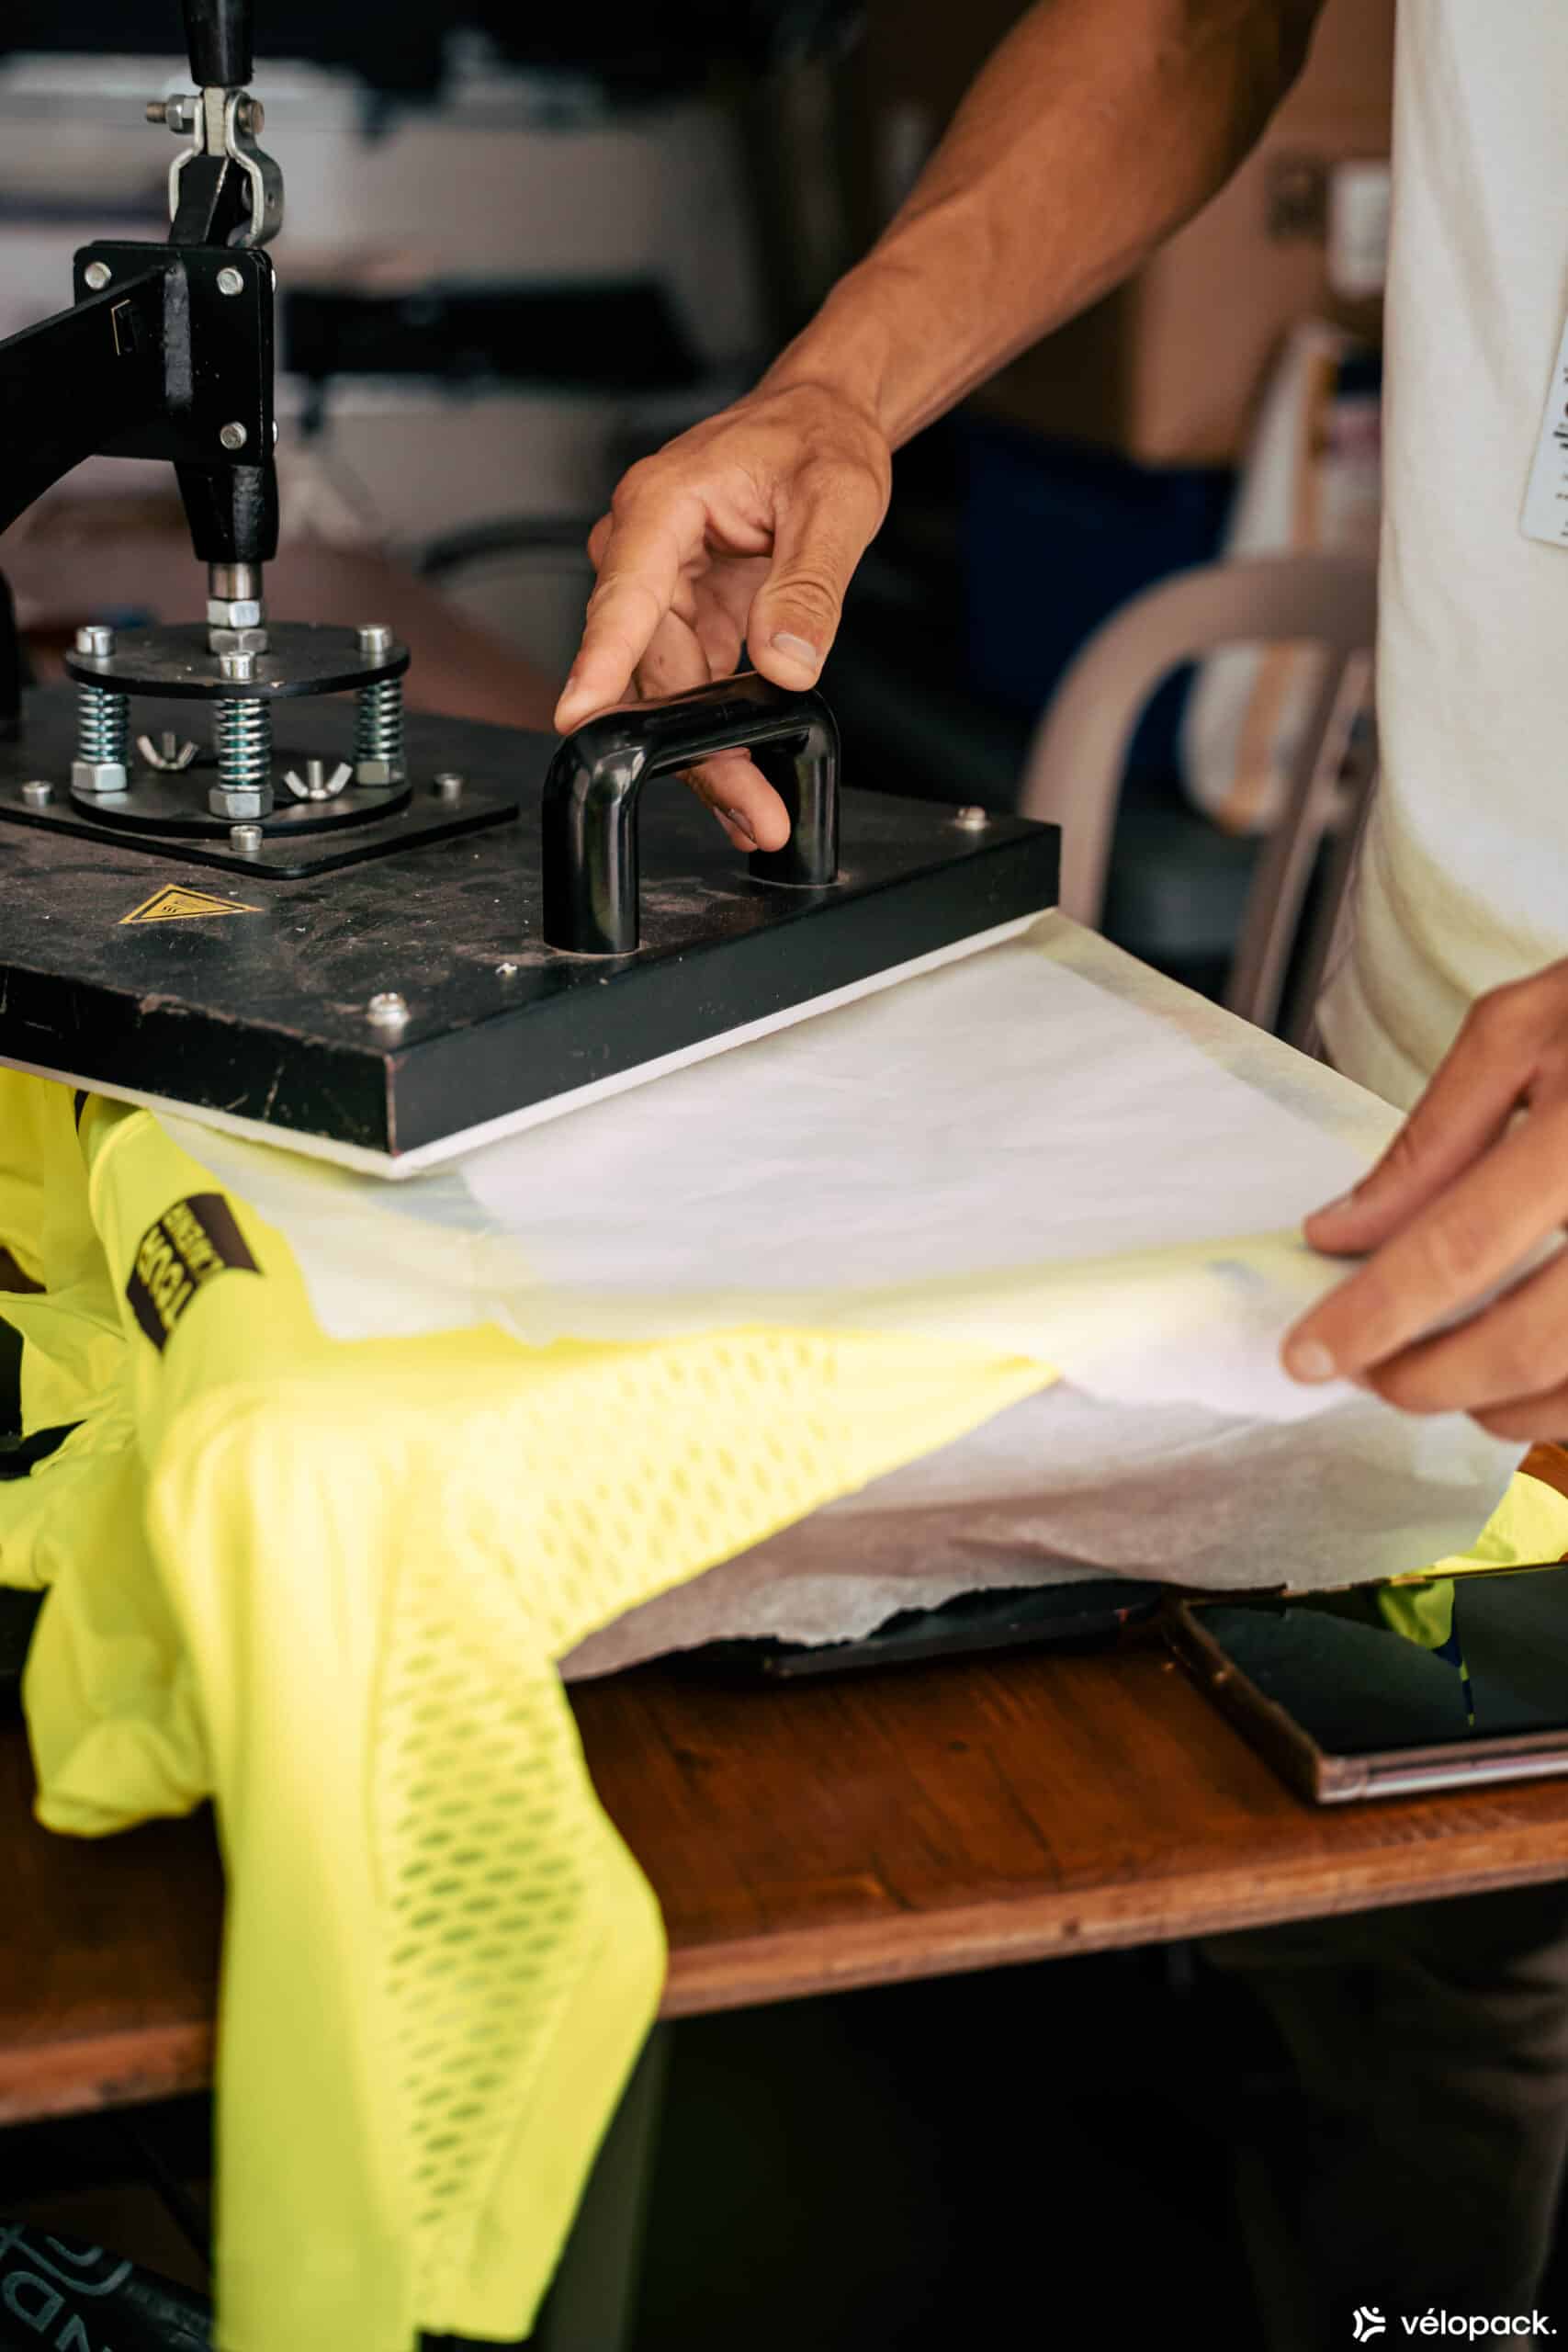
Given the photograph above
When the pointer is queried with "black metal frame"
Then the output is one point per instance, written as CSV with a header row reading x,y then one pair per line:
x,y
158,359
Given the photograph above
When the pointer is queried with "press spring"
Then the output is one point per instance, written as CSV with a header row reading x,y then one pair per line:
x,y
103,723
378,731
245,745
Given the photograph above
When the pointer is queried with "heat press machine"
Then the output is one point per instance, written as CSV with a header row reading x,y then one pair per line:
x,y
242,879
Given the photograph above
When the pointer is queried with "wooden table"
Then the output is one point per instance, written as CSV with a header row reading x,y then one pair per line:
x,y
803,1838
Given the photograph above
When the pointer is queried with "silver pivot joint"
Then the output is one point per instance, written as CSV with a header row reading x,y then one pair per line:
x,y
225,122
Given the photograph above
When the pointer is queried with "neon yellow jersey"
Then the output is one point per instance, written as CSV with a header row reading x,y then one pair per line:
x,y
326,1583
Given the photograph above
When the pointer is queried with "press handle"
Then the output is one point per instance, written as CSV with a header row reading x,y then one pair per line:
x,y
218,36
595,780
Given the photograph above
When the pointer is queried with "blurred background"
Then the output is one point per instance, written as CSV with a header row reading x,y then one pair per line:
x,y
521,250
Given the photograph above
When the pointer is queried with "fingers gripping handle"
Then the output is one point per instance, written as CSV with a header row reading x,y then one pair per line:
x,y
596,777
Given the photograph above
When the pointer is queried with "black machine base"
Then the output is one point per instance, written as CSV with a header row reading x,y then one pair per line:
x,y
402,1002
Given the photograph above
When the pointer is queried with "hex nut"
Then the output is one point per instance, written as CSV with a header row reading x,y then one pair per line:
x,y
238,804
237,640
378,772
98,776
233,613
240,668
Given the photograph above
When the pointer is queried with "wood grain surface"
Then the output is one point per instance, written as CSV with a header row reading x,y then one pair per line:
x,y
888,1825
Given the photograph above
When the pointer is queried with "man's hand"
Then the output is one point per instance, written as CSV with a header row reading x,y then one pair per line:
x,y
742,533
1097,128
1476,1181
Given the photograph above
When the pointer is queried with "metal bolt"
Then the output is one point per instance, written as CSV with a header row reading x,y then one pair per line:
x,y
97,275
239,666
38,794
506,971
178,113
230,281
374,640
251,115
246,838
233,436
96,640
387,1009
971,820
449,787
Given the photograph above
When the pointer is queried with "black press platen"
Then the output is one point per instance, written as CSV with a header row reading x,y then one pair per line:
x,y
219,37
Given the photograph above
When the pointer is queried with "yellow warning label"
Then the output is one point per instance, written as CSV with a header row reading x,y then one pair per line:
x,y
175,905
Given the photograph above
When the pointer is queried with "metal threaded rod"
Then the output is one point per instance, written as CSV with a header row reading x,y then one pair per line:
x,y
244,746
379,732
103,725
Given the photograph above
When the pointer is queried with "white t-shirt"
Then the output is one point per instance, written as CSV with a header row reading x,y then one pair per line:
x,y
1463,876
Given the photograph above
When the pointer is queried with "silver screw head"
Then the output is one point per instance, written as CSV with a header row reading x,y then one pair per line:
x,y
374,638
97,275
506,971
38,794
251,115
238,666
449,787
971,820
387,1009
230,281
233,436
247,838
96,640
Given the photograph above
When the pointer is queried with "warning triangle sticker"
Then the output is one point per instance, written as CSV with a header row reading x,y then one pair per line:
x,y
174,905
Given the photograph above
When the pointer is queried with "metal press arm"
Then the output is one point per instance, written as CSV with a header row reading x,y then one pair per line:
x,y
168,351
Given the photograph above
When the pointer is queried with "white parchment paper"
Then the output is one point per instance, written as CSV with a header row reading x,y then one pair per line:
x,y
1046,1147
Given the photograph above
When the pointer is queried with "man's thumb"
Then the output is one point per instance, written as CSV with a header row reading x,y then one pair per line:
x,y
818,541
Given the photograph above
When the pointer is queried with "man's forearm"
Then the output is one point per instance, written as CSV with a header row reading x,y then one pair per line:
x,y
1097,128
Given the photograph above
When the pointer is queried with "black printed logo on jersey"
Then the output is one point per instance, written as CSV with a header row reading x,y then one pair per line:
x,y
190,1244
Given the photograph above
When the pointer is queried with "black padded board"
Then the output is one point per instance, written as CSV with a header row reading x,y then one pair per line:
x,y
263,1013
